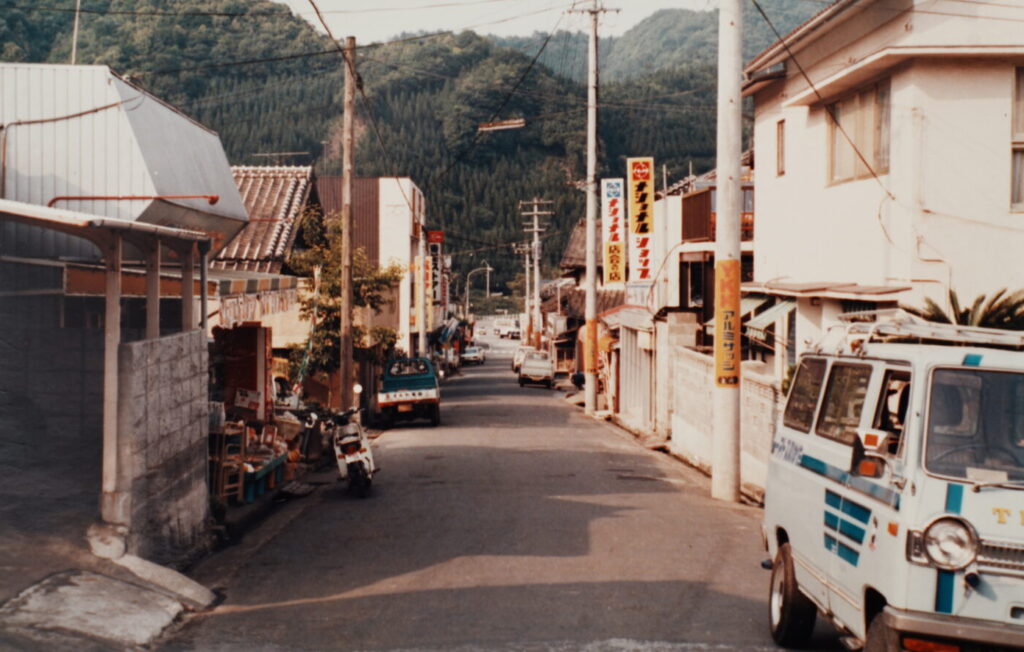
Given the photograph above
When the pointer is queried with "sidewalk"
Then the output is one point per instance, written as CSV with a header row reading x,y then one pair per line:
x,y
55,593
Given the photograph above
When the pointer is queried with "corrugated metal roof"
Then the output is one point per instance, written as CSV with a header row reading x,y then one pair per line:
x,y
85,131
275,197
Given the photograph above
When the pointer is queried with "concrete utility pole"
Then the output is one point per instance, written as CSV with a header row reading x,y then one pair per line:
x,y
536,229
74,32
348,166
725,470
590,310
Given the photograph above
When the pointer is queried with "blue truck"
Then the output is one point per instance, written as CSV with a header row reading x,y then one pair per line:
x,y
409,390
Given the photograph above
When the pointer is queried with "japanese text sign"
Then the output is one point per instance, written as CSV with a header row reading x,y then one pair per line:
x,y
613,222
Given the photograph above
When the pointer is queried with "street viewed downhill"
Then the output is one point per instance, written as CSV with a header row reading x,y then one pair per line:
x,y
518,524
512,325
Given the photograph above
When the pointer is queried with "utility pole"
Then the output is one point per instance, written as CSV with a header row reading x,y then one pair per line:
x,y
348,165
74,32
524,249
590,313
725,470
536,230
421,289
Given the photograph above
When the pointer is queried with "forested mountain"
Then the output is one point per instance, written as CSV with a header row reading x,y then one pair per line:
x,y
665,40
267,82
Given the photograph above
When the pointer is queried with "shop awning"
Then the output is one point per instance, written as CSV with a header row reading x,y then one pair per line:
x,y
758,325
248,296
748,304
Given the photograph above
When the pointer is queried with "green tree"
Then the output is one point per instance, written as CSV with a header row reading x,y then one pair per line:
x,y
1001,310
371,287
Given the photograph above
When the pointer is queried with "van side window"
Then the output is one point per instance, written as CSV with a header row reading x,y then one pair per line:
x,y
844,400
891,415
803,397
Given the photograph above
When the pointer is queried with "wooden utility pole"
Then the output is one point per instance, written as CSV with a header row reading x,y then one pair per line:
x,y
536,230
725,469
348,166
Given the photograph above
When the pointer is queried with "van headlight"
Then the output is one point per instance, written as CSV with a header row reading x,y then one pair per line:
x,y
950,543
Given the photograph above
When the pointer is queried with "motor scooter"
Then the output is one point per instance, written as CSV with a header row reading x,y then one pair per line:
x,y
352,452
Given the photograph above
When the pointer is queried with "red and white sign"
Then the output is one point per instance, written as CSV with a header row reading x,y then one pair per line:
x,y
640,191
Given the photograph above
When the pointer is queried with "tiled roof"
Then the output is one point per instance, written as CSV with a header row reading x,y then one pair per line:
x,y
274,197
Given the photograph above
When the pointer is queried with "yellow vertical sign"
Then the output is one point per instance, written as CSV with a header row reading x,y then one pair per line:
x,y
727,323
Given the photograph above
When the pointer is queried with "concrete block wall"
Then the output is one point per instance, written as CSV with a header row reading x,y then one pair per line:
x,y
163,427
691,377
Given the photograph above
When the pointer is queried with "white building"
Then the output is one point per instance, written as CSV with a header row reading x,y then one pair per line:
x,y
917,184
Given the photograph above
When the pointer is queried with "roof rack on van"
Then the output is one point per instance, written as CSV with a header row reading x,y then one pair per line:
x,y
898,325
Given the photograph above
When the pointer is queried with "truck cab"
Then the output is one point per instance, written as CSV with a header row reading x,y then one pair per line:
x,y
894,504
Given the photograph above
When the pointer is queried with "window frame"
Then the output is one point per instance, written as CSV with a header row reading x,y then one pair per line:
x,y
1017,141
812,417
869,127
847,438
780,148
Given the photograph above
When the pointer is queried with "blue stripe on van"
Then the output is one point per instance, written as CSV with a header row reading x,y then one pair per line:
x,y
944,585
855,482
831,521
858,512
848,554
850,530
954,498
972,360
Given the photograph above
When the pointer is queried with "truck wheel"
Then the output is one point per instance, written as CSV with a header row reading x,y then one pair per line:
x,y
791,613
435,416
881,637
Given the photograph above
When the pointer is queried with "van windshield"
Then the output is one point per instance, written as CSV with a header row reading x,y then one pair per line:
x,y
976,425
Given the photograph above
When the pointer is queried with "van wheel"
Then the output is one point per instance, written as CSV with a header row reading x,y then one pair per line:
x,y
435,416
881,637
791,613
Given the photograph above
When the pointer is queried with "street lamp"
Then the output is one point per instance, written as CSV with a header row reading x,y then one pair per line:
x,y
486,268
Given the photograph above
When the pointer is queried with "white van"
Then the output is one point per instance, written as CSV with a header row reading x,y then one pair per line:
x,y
894,504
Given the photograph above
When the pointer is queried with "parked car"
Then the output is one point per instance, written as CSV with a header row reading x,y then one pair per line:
x,y
518,355
894,486
410,390
514,333
473,355
537,369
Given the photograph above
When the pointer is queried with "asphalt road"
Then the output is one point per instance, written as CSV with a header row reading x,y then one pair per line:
x,y
519,524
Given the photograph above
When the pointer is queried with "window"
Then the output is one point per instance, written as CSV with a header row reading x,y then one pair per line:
x,y
803,397
844,400
860,123
780,147
893,404
1017,181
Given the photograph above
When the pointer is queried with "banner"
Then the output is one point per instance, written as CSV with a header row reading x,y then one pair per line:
x,y
640,177
613,238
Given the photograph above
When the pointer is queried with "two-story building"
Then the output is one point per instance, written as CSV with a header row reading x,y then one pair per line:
x,y
890,139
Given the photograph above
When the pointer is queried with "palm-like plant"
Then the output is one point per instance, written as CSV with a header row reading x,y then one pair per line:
x,y
1001,310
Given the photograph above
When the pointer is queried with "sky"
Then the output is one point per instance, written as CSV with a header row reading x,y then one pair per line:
x,y
378,20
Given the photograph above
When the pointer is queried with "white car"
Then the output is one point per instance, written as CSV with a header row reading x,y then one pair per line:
x,y
518,355
894,503
473,355
537,370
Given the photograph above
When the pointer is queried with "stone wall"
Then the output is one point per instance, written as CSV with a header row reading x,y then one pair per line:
x,y
691,378
163,427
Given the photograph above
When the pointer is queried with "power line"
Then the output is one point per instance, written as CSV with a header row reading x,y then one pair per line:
x,y
239,14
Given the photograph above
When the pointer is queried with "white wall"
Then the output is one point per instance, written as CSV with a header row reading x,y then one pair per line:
x,y
948,219
400,201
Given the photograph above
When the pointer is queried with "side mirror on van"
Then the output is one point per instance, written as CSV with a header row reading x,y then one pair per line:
x,y
868,458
